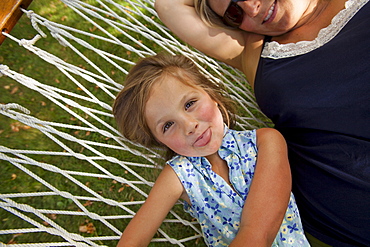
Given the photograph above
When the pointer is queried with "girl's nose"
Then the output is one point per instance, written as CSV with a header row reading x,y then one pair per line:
x,y
191,125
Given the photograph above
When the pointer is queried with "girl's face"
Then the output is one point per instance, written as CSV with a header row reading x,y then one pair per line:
x,y
184,118
269,17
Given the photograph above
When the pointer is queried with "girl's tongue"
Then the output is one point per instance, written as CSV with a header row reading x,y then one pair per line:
x,y
203,139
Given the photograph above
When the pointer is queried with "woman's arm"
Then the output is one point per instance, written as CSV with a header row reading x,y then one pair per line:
x,y
163,196
181,18
237,48
268,199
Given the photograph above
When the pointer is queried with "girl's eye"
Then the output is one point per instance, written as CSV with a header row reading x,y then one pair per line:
x,y
188,104
166,126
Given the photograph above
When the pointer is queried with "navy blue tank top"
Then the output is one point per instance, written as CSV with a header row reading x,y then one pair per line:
x,y
318,96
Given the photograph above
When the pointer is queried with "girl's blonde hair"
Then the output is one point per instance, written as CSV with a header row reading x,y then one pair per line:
x,y
129,106
207,15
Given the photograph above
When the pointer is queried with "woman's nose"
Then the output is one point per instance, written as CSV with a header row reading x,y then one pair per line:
x,y
250,7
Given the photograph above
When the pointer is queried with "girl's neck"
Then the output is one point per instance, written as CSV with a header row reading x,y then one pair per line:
x,y
214,159
219,166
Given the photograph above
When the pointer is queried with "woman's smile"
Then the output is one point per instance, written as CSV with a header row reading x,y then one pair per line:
x,y
270,14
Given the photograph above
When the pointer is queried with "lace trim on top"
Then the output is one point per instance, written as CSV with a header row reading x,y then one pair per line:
x,y
275,50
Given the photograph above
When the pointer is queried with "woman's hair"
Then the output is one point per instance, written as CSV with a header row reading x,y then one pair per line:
x,y
207,15
129,106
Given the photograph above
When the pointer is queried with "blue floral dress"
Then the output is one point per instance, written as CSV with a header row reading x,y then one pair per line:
x,y
216,205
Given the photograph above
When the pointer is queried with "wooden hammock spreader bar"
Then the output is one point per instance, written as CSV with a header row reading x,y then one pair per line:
x,y
10,12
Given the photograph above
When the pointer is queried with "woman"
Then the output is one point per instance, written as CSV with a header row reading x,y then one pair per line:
x,y
308,62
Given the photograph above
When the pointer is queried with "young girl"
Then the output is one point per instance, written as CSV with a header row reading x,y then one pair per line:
x,y
239,198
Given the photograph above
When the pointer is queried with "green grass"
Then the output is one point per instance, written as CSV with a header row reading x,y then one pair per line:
x,y
18,136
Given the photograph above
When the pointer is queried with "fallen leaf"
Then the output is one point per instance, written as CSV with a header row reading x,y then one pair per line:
x,y
14,90
12,241
197,241
52,216
88,203
91,228
15,127
88,228
111,188
25,127
82,228
14,176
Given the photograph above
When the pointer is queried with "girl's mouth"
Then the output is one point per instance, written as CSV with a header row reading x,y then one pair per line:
x,y
203,139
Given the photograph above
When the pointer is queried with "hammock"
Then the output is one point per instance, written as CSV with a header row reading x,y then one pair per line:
x,y
86,182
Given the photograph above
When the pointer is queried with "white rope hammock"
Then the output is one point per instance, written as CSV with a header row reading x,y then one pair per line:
x,y
101,153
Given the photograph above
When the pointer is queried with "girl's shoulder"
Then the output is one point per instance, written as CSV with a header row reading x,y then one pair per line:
x,y
240,136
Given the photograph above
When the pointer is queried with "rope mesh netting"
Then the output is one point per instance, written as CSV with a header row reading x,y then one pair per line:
x,y
83,182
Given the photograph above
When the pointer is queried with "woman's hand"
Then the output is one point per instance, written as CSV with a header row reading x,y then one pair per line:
x,y
237,48
181,18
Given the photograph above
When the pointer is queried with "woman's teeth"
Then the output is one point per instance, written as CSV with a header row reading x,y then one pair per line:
x,y
271,10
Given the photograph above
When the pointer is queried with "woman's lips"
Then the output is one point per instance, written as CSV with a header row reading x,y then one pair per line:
x,y
270,14
203,139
